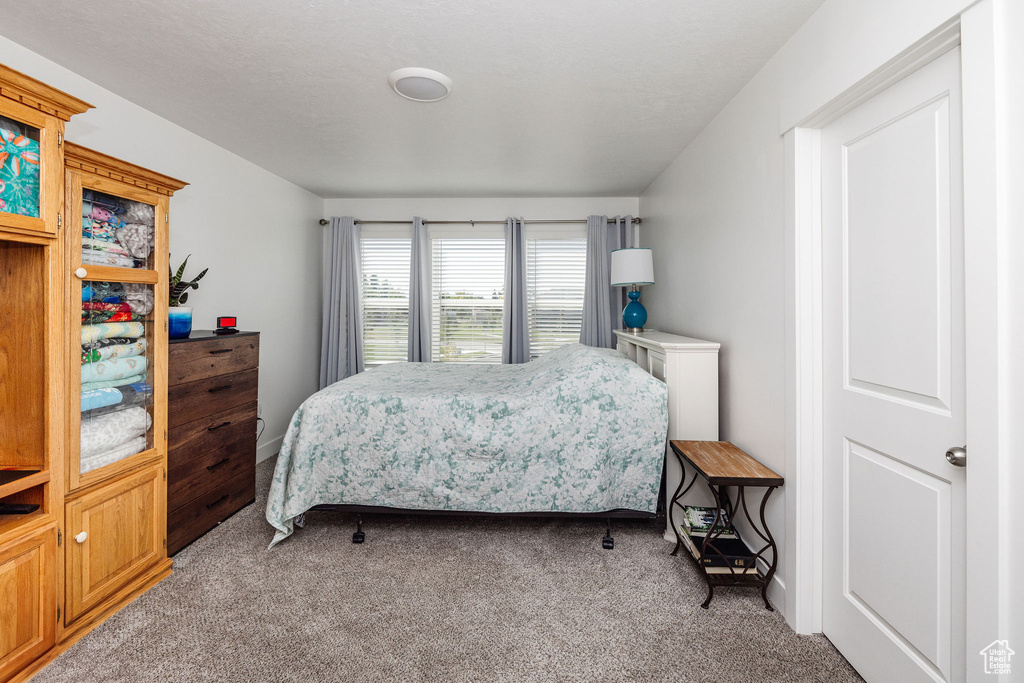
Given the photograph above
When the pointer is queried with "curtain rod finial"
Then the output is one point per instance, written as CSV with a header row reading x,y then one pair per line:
x,y
323,221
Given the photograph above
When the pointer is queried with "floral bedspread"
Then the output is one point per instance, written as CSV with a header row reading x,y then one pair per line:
x,y
578,430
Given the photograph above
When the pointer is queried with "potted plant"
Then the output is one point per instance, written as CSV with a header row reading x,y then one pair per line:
x,y
179,316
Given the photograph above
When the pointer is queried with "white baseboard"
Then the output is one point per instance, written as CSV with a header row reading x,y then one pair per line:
x,y
269,449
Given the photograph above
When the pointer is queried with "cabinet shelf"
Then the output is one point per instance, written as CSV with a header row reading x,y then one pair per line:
x,y
115,274
11,522
15,481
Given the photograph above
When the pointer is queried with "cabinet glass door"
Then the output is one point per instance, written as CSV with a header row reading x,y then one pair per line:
x,y
19,168
116,232
116,372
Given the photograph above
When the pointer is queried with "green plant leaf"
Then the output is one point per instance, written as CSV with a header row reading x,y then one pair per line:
x,y
182,299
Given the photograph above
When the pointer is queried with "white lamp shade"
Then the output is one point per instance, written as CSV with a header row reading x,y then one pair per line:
x,y
632,267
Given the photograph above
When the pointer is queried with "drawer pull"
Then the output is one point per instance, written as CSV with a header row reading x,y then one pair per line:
x,y
215,465
216,389
221,351
216,427
217,502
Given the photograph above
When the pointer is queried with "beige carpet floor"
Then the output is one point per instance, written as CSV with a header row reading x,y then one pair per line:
x,y
440,599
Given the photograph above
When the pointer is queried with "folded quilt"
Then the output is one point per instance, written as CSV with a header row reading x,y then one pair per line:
x,y
578,430
91,244
139,297
125,450
92,333
136,239
113,368
113,382
106,306
134,348
99,258
93,317
112,430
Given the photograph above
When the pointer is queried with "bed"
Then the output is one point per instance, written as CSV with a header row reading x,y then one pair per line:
x,y
580,430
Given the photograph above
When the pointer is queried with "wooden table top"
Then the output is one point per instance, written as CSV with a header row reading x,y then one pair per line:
x,y
722,464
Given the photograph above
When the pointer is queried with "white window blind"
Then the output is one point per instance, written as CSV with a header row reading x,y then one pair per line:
x,y
385,292
555,275
468,296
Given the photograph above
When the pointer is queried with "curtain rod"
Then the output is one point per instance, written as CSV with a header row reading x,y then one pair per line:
x,y
324,221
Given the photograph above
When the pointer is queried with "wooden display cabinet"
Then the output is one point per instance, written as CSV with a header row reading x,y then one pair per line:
x,y
115,505
32,422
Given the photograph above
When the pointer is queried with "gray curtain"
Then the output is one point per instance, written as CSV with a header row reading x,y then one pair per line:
x,y
602,303
341,347
515,343
419,294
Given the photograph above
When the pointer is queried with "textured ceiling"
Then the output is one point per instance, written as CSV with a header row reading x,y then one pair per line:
x,y
550,97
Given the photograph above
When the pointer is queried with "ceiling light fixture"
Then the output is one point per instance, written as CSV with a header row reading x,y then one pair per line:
x,y
420,85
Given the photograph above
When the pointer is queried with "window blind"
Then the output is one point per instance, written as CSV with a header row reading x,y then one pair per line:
x,y
468,296
555,275
385,292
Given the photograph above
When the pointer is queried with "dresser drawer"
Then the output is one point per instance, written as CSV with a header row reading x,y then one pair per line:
x,y
194,519
196,400
195,360
205,434
210,470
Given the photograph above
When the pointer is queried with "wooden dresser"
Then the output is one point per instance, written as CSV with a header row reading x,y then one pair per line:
x,y
211,438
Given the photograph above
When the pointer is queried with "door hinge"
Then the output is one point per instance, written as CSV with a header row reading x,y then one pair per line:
x,y
59,538
59,220
165,542
165,326
164,472
60,139
166,219
58,614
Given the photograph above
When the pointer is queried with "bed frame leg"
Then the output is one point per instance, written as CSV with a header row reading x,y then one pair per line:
x,y
359,536
608,542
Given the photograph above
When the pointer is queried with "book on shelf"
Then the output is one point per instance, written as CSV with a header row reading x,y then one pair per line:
x,y
698,520
732,552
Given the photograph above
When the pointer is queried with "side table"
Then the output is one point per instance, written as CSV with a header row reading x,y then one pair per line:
x,y
721,464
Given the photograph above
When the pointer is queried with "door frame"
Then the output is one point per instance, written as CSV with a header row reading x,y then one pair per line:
x,y
974,32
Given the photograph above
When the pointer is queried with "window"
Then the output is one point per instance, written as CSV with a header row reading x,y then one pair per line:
x,y
555,275
385,292
468,297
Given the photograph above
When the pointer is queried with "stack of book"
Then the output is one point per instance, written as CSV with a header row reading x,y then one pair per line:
x,y
733,556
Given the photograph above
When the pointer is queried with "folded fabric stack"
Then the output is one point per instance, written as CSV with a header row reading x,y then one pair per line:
x,y
114,390
115,231
114,436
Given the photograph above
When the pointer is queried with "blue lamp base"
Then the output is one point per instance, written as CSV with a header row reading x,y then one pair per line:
x,y
634,315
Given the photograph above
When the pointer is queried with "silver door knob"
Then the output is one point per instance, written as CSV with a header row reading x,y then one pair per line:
x,y
957,456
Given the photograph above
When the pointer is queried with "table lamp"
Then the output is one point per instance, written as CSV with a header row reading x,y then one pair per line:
x,y
633,267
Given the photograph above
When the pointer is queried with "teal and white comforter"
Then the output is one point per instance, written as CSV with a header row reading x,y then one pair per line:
x,y
578,430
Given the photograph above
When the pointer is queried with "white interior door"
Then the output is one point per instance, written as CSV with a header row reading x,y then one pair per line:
x,y
893,354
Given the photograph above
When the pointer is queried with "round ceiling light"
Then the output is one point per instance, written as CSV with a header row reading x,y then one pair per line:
x,y
420,85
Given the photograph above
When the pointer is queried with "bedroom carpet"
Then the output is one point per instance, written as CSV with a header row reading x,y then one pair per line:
x,y
440,599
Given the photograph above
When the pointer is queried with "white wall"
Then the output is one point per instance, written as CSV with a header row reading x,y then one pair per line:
x,y
256,232
715,216
481,209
